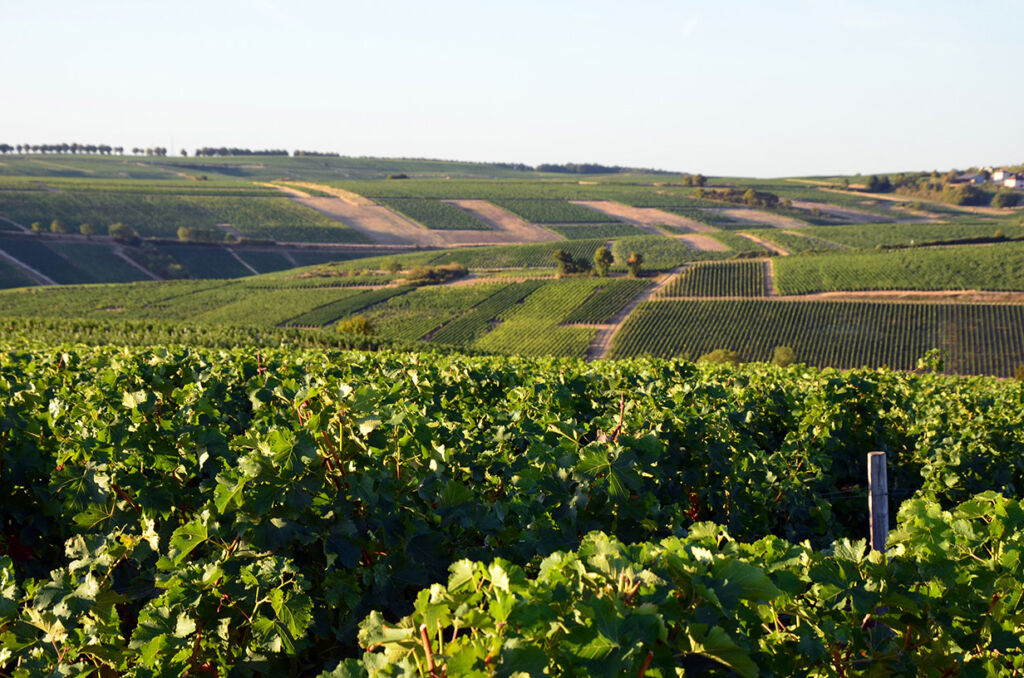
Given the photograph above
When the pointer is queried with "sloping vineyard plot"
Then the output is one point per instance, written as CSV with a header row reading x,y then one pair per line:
x,y
978,338
719,279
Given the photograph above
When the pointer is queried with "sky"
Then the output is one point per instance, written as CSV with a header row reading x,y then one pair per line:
x,y
736,87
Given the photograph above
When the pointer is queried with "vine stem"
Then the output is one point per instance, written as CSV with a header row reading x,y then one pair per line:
x,y
425,637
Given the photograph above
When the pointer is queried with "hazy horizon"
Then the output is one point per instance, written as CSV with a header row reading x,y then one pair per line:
x,y
800,88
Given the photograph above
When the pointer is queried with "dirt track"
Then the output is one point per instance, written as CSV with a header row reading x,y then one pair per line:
x,y
383,226
602,342
765,244
647,218
848,213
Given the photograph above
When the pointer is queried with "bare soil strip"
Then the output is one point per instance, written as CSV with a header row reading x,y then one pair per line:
x,y
242,261
507,227
287,189
384,226
647,218
704,242
743,214
28,270
602,342
781,251
347,196
769,278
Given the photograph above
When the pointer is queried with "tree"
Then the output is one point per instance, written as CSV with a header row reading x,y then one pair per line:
x,y
357,324
122,233
184,233
783,356
603,259
635,263
392,266
36,227
566,265
87,230
1018,373
699,180
1004,198
57,227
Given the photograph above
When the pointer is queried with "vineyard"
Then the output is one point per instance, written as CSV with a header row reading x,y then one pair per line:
x,y
285,512
980,267
416,314
977,338
477,320
719,279
434,213
553,211
608,299
347,305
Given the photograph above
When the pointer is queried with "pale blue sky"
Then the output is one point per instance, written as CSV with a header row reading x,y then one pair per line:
x,y
731,87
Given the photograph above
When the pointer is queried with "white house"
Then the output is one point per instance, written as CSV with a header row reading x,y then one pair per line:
x,y
1014,181
998,175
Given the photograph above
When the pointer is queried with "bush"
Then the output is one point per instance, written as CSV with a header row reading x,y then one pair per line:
x,y
1004,198
122,233
721,355
357,324
783,356
434,275
1018,374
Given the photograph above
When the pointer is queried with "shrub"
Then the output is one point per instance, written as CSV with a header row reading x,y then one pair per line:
x,y
783,356
357,324
721,355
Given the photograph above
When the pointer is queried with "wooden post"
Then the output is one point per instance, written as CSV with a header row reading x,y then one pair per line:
x,y
878,500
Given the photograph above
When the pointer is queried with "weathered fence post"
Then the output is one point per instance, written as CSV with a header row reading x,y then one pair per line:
x,y
878,500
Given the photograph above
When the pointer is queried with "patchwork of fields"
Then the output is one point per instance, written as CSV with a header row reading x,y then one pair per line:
x,y
749,279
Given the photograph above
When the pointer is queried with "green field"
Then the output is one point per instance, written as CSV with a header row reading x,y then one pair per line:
x,y
977,338
981,267
434,214
719,279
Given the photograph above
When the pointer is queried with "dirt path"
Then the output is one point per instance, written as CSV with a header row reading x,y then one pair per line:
x,y
647,218
119,251
347,196
242,261
28,270
383,226
507,227
746,215
294,192
703,242
769,278
781,251
12,222
602,342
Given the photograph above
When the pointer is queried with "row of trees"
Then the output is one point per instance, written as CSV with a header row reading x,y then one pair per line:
x,y
73,149
209,151
750,197
603,260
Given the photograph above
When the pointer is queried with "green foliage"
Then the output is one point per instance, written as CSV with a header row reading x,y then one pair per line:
x,y
436,275
356,324
783,356
722,355
57,226
1018,373
603,260
330,312
553,211
174,510
635,263
709,604
472,324
87,229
